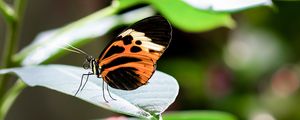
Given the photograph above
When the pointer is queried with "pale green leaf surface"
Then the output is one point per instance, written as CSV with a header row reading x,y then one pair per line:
x,y
187,18
123,4
147,101
49,43
227,5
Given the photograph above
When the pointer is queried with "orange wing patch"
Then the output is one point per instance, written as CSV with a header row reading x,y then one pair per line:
x,y
129,61
135,61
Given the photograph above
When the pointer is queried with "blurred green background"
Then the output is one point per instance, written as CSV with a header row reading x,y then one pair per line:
x,y
251,70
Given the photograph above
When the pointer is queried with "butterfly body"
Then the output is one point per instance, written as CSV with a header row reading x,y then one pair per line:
x,y
129,60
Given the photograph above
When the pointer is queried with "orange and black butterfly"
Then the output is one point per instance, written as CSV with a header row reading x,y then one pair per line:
x,y
129,60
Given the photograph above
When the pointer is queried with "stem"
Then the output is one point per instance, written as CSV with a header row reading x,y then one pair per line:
x,y
6,11
9,46
12,18
10,96
9,49
19,9
11,39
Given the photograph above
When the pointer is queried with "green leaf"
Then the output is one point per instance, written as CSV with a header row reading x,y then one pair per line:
x,y
123,4
148,101
227,5
7,12
187,18
199,115
48,45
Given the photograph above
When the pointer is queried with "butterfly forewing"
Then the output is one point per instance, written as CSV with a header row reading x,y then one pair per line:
x,y
128,62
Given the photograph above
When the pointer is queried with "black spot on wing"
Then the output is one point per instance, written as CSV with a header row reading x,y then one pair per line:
x,y
114,50
157,28
138,42
119,61
135,49
127,39
151,51
124,78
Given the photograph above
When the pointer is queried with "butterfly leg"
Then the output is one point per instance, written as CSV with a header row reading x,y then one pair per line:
x,y
87,78
103,93
109,92
81,82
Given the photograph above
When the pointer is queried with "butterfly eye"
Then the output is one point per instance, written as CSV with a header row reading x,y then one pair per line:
x,y
89,58
86,65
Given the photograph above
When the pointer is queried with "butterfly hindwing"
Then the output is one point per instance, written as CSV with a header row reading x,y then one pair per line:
x,y
128,62
130,75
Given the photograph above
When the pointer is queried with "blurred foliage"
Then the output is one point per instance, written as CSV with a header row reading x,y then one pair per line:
x,y
199,115
255,78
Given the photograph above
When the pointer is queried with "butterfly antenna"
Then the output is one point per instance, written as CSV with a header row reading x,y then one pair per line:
x,y
70,50
78,50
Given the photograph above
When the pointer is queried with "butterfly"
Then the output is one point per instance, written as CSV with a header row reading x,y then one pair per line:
x,y
129,60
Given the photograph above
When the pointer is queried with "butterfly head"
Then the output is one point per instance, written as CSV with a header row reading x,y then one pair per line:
x,y
91,63
88,62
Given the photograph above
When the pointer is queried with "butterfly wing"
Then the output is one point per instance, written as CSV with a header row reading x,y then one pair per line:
x,y
129,61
